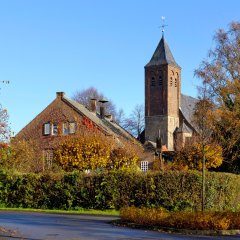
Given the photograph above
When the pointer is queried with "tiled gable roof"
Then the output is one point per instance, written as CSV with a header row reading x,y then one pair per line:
x,y
110,127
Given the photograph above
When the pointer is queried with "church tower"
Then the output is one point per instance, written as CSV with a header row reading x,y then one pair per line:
x,y
162,95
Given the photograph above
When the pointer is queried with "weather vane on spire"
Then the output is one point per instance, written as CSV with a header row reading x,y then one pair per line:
x,y
163,25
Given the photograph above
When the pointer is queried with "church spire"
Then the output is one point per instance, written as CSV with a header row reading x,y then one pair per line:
x,y
162,55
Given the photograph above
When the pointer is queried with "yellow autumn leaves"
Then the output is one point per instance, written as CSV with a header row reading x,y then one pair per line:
x,y
94,151
191,157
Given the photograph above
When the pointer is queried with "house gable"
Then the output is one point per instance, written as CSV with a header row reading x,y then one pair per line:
x,y
63,111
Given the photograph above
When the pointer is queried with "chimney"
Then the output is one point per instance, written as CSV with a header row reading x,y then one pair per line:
x,y
102,111
93,103
109,117
60,94
102,107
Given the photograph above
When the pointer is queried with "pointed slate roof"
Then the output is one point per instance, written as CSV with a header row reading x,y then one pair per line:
x,y
162,55
187,109
187,106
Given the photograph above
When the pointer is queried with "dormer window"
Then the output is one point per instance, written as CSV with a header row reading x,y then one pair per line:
x,y
153,83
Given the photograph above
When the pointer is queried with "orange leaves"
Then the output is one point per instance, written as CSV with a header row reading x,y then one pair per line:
x,y
182,220
88,123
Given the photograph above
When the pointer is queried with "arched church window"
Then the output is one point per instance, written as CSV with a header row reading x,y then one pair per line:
x,y
176,79
160,79
171,78
153,83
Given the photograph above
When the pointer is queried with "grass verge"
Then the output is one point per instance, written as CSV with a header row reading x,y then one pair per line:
x,y
80,211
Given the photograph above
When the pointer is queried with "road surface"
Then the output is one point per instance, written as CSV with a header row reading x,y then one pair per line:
x,y
41,226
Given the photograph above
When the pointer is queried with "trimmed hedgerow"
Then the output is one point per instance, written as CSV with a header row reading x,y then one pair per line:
x,y
174,191
208,220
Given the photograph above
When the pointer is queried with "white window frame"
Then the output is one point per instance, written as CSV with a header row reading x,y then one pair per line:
x,y
47,128
50,129
54,129
69,128
144,166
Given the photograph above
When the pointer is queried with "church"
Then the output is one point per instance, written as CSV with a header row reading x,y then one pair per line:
x,y
168,113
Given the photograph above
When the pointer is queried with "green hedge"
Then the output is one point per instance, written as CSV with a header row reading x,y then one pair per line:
x,y
171,190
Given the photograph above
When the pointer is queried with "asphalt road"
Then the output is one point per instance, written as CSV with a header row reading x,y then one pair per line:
x,y
39,226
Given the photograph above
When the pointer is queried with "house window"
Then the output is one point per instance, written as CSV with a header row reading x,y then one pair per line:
x,y
175,82
54,129
153,83
65,128
46,128
72,127
69,128
48,159
144,166
50,129
171,81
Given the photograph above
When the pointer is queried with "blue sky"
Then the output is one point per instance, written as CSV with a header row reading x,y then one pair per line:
x,y
54,45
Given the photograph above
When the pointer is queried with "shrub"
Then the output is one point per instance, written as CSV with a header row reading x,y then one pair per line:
x,y
209,220
91,151
174,191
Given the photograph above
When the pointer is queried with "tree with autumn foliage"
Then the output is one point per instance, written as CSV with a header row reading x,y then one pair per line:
x,y
190,158
92,151
82,153
220,75
22,156
203,151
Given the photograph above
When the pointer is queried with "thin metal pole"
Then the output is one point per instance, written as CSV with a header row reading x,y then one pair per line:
x,y
203,180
